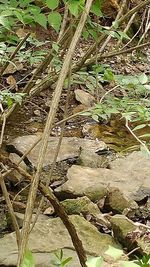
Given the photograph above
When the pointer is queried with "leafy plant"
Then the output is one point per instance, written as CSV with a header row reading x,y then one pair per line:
x,y
61,261
7,98
116,255
28,260
144,262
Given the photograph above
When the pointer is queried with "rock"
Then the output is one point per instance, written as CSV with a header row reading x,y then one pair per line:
x,y
129,235
117,202
50,235
137,167
69,148
20,218
122,227
89,158
84,98
81,205
83,181
93,183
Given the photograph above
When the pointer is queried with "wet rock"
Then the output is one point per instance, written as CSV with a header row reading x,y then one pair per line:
x,y
81,205
84,98
117,202
69,148
50,235
137,167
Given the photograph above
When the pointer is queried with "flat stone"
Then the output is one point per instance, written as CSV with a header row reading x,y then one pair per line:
x,y
69,148
50,235
137,167
94,183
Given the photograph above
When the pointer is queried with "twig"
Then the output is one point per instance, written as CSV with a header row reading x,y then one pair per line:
x,y
134,135
147,27
44,141
102,98
10,208
101,38
14,53
127,27
64,22
3,125
57,148
133,37
120,13
115,53
132,251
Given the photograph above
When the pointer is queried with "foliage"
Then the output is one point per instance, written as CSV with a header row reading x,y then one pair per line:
x,y
144,262
28,260
61,261
7,98
116,255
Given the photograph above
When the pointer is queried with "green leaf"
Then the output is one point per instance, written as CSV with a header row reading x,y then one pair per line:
x,y
96,8
5,22
85,35
113,252
54,19
64,262
55,46
19,16
143,78
41,19
73,6
94,262
128,264
28,260
147,86
138,127
144,135
123,35
52,4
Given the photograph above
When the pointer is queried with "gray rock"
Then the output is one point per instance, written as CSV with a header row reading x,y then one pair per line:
x,y
69,148
50,235
116,201
137,167
126,174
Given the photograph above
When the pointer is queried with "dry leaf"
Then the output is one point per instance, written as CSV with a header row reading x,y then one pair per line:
x,y
13,67
12,82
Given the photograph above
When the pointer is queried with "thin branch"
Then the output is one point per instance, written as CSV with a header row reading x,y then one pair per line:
x,y
3,125
134,135
10,209
44,141
115,53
